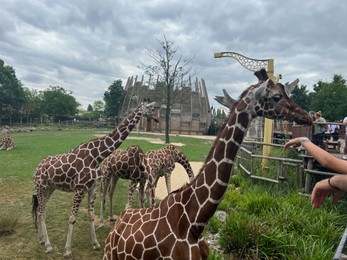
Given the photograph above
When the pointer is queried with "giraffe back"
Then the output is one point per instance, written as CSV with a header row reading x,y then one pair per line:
x,y
125,163
7,143
163,159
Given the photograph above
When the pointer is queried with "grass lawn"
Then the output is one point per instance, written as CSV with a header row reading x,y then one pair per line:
x,y
261,223
16,172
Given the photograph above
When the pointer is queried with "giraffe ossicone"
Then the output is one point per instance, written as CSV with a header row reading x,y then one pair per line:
x,y
173,228
78,171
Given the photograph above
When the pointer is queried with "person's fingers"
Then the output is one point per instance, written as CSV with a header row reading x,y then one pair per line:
x,y
318,197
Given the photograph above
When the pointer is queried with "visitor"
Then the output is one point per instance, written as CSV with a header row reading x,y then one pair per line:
x,y
334,131
336,185
319,129
345,148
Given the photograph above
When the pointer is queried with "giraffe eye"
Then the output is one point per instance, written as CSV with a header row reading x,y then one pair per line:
x,y
276,97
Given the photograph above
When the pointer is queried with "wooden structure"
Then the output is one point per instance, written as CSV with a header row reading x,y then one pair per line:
x,y
190,112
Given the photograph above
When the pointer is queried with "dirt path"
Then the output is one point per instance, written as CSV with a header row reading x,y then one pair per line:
x,y
178,178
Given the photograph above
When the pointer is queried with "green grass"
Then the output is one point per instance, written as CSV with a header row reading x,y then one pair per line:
x,y
262,223
18,236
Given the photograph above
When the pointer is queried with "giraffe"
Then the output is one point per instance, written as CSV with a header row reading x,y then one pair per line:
x,y
162,163
77,171
7,143
173,228
128,163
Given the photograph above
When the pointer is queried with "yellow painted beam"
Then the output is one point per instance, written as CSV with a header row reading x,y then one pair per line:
x,y
268,124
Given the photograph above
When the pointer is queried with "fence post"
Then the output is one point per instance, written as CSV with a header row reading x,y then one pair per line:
x,y
308,174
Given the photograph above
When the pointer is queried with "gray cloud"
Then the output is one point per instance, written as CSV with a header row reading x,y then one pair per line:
x,y
84,45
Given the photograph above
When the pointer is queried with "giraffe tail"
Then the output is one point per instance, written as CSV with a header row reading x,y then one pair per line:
x,y
35,203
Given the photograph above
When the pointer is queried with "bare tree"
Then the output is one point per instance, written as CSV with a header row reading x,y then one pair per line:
x,y
172,70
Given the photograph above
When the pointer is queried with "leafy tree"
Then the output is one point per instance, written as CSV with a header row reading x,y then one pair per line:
x,y
90,108
32,104
300,95
113,98
11,91
170,69
59,103
98,108
329,98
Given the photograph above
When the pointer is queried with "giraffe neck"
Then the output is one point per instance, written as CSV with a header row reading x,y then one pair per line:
x,y
211,183
100,148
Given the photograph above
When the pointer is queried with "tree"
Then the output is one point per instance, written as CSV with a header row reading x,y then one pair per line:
x,y
32,104
329,98
11,91
113,98
300,95
171,69
90,108
98,107
59,103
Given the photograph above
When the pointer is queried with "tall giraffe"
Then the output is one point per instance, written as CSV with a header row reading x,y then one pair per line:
x,y
77,171
173,228
162,163
129,164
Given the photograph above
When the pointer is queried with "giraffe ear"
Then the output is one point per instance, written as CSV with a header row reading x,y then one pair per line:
x,y
290,87
261,90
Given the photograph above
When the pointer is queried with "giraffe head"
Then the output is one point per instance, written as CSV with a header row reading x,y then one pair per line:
x,y
269,100
272,101
148,111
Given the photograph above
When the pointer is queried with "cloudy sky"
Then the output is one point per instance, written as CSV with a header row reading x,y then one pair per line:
x,y
84,45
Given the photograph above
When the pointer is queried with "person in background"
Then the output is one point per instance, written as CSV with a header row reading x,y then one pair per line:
x,y
319,129
312,113
332,132
345,148
336,185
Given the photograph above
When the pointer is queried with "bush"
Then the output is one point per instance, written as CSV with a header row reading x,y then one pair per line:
x,y
9,221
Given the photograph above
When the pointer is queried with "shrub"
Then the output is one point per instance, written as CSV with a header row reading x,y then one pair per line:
x,y
9,221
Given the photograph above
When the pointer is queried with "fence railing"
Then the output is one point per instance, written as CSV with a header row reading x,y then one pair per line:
x,y
248,161
304,170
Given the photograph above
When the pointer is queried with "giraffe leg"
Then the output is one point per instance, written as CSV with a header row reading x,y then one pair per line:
x,y
113,184
79,194
142,193
105,181
167,176
132,187
91,201
43,197
150,189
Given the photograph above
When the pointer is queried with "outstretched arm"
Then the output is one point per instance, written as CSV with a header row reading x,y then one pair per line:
x,y
323,157
336,185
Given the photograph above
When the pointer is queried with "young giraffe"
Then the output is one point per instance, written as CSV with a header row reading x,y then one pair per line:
x,y
162,163
7,143
173,228
125,164
77,171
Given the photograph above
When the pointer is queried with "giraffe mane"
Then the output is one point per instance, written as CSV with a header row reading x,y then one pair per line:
x,y
232,108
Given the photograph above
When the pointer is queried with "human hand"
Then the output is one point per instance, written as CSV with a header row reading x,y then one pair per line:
x,y
296,142
321,190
